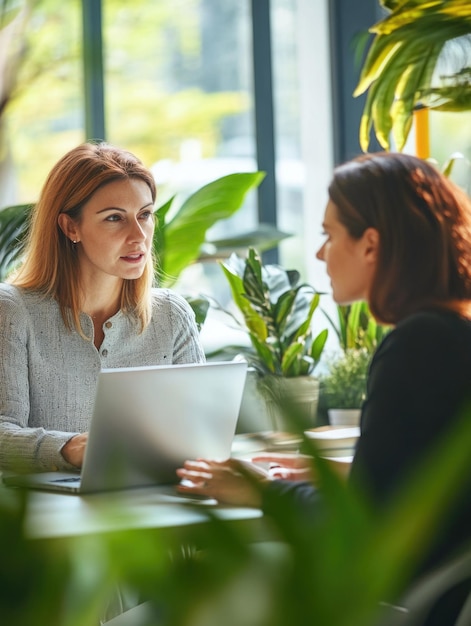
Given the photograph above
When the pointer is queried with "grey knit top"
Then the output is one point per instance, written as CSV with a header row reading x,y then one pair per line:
x,y
48,374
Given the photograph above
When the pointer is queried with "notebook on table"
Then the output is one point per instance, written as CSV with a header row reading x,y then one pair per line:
x,y
147,421
335,441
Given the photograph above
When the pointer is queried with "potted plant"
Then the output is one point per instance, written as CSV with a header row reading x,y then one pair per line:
x,y
343,387
277,312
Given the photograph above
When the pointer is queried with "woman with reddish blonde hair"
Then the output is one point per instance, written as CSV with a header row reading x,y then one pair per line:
x,y
397,235
51,262
82,299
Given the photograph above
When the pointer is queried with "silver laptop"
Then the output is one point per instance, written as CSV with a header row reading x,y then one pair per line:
x,y
147,421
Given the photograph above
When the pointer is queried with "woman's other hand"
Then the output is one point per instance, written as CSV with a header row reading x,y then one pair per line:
x,y
287,466
233,481
74,450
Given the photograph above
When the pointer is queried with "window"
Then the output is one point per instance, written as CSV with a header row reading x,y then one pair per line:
x,y
45,118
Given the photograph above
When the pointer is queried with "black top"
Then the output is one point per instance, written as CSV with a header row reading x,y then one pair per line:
x,y
418,380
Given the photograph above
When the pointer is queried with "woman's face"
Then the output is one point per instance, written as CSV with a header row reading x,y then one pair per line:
x,y
350,262
115,230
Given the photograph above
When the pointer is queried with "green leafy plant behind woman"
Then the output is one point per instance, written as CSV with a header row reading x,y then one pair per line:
x,y
344,386
180,234
277,312
356,328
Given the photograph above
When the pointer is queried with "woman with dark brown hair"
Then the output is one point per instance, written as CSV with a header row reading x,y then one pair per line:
x,y
398,235
424,224
83,299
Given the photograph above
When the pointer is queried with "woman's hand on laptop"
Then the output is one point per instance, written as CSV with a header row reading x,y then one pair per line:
x,y
74,450
232,482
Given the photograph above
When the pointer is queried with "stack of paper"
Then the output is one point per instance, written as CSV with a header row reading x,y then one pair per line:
x,y
334,441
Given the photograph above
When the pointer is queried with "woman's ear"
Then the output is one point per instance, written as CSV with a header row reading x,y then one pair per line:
x,y
371,240
68,227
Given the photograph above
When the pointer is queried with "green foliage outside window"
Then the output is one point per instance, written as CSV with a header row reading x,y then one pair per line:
x,y
145,112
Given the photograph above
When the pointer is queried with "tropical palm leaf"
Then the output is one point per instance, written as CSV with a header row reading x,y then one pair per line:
x,y
401,64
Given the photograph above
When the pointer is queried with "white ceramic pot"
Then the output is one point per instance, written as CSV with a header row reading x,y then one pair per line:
x,y
344,417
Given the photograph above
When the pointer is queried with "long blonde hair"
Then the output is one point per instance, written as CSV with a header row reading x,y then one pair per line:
x,y
50,263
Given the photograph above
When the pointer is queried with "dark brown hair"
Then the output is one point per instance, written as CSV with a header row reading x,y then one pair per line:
x,y
424,224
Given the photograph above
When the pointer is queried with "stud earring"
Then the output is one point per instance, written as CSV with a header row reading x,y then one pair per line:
x,y
74,241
